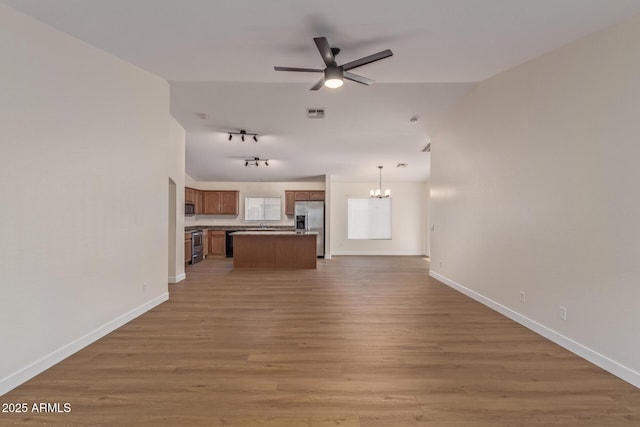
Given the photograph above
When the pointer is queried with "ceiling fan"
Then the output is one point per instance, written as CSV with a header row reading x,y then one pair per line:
x,y
334,73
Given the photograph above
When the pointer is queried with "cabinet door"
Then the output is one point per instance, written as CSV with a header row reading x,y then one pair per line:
x,y
217,243
189,195
316,195
229,202
289,202
205,241
301,195
198,201
211,202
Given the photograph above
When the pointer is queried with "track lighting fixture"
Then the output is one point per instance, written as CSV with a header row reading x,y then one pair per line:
x,y
256,162
242,134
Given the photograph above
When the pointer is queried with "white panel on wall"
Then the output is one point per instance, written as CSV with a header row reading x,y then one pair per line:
x,y
262,209
369,218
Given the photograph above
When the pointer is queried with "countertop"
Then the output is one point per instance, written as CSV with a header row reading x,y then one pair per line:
x,y
273,233
238,228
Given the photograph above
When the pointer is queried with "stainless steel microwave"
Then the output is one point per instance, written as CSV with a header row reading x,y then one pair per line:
x,y
189,209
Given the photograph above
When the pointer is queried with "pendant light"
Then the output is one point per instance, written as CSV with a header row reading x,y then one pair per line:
x,y
378,191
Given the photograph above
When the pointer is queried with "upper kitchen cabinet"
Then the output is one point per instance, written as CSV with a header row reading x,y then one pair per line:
x,y
190,195
316,195
220,202
193,197
292,196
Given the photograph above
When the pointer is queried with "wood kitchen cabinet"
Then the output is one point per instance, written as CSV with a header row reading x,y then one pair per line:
x,y
198,202
301,195
217,242
220,202
190,195
316,195
292,196
194,197
289,201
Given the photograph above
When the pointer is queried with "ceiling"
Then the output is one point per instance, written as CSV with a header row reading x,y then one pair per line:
x,y
218,56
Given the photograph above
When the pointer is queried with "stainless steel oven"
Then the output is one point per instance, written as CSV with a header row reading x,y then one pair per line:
x,y
197,249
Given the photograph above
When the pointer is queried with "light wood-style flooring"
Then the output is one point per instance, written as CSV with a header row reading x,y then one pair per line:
x,y
361,341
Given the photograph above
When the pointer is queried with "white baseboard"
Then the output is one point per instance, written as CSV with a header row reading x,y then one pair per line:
x,y
376,253
609,365
179,278
14,380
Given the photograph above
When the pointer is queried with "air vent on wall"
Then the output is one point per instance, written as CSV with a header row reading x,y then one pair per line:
x,y
315,113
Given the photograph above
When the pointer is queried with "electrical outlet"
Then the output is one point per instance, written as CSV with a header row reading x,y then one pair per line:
x,y
144,287
523,297
562,313
440,263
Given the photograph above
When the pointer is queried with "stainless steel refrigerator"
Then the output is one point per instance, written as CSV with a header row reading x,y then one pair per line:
x,y
314,221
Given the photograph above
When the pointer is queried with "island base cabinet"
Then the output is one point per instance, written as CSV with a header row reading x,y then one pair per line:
x,y
274,251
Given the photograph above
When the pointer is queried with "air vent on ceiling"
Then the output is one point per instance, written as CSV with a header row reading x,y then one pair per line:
x,y
315,113
427,148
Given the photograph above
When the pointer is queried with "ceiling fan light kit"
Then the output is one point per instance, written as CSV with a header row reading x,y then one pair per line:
x,y
335,74
333,77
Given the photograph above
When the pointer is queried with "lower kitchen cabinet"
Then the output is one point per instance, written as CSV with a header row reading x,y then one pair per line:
x,y
217,242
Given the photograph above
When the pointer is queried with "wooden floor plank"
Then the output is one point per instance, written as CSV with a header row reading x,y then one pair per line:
x,y
361,341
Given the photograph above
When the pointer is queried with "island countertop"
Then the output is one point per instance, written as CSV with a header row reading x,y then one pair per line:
x,y
272,233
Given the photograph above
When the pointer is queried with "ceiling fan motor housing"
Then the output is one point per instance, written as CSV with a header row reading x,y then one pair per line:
x,y
333,73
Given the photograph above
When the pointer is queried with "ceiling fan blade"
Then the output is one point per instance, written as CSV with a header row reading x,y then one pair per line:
x,y
367,60
306,70
318,85
356,78
325,51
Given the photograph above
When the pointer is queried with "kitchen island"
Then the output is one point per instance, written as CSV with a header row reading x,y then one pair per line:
x,y
274,249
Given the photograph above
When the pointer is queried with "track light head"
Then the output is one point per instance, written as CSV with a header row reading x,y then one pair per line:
x,y
243,133
255,162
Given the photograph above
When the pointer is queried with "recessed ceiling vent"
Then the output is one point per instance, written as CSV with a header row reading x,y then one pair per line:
x,y
315,113
427,148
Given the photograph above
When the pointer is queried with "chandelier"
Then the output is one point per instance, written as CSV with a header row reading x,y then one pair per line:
x,y
378,191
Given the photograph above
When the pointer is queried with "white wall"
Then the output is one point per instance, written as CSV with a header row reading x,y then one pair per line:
x,y
175,166
426,223
83,183
535,188
275,189
407,223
